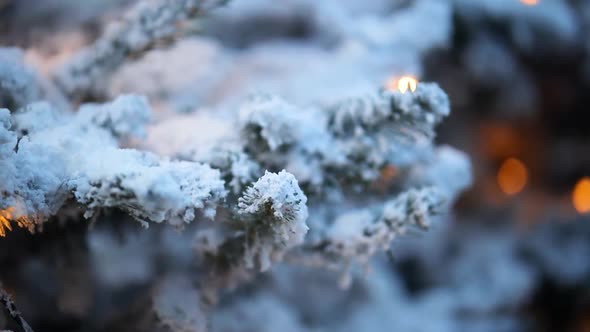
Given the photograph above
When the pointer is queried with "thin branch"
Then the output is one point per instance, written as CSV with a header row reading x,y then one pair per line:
x,y
13,312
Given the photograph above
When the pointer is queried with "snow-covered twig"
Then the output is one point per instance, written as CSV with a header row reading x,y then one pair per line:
x,y
13,312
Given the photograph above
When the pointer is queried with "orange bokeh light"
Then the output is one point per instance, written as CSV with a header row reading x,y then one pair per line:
x,y
512,176
581,195
530,2
5,219
9,215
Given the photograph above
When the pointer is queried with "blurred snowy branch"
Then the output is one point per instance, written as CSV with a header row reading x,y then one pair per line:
x,y
142,27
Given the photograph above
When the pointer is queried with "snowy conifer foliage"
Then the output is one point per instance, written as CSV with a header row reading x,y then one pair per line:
x,y
323,168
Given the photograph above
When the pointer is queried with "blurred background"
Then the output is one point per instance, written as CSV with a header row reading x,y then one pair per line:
x,y
514,255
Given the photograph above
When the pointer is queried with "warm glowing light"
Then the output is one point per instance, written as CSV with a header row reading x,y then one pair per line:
x,y
5,218
8,215
530,2
388,173
386,177
581,195
402,84
407,82
512,176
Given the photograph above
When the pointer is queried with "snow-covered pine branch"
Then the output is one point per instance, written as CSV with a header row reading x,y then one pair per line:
x,y
355,236
337,153
269,221
348,142
142,27
334,152
79,156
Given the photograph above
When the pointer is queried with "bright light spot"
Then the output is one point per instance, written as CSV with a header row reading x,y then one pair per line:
x,y
402,84
530,2
512,176
407,82
581,195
